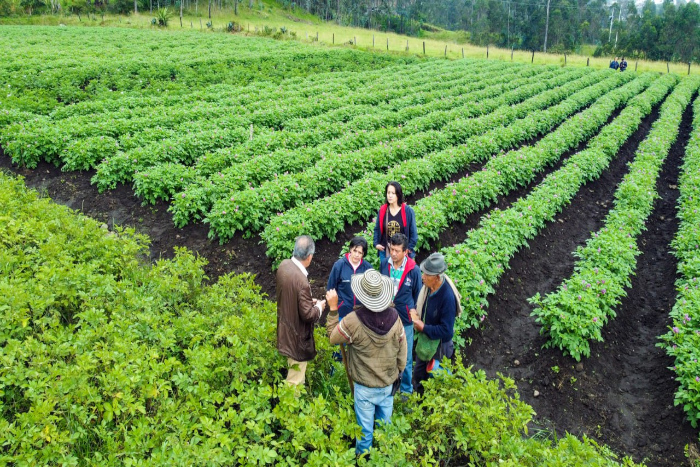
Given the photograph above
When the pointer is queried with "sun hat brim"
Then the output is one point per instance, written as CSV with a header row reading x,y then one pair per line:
x,y
377,303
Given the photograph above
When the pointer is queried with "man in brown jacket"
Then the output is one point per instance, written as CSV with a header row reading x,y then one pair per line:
x,y
376,349
297,311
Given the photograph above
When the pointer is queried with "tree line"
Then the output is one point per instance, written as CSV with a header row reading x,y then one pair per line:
x,y
668,31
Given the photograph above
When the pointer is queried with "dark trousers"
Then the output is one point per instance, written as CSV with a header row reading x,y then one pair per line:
x,y
420,367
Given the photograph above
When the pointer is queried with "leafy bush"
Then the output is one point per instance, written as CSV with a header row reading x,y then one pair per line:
x,y
163,16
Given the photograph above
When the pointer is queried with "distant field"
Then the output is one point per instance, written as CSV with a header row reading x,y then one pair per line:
x,y
308,27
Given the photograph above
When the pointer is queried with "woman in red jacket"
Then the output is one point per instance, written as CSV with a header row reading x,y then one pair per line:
x,y
395,217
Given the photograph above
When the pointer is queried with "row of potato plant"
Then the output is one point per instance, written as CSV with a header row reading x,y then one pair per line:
x,y
250,209
109,360
575,314
311,131
189,141
256,151
502,174
360,200
247,93
49,138
205,192
29,142
478,263
682,342
48,68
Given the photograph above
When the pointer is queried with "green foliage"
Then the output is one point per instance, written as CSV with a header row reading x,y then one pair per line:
x,y
682,341
382,110
334,173
575,314
517,168
492,133
477,264
108,360
163,16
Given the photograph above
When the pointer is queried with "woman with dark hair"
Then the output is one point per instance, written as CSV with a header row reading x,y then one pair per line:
x,y
352,263
395,217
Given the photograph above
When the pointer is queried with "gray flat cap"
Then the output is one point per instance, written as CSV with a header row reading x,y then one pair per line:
x,y
434,264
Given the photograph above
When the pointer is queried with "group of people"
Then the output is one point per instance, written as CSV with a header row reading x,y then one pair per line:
x,y
621,65
379,318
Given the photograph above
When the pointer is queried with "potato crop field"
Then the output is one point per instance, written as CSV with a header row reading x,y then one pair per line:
x,y
137,331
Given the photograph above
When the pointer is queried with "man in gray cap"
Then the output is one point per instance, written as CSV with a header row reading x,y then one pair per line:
x,y
434,318
376,349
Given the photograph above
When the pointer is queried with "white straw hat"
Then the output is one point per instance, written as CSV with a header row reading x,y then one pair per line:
x,y
373,290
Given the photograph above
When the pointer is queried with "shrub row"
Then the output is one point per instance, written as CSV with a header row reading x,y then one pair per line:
x,y
682,341
575,314
30,142
247,94
198,137
477,264
250,209
48,68
269,152
201,196
517,168
327,216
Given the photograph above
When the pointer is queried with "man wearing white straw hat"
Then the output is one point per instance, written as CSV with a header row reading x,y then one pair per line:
x,y
376,349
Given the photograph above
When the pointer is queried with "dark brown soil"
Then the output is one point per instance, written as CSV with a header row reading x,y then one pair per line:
x,y
622,397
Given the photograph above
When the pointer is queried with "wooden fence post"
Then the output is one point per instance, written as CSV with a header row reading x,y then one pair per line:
x,y
462,52
564,59
445,50
423,47
688,67
588,61
487,51
387,43
334,38
316,36
533,57
667,69
372,40
635,65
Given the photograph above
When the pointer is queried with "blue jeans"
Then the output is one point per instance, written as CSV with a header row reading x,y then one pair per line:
x,y
371,404
407,379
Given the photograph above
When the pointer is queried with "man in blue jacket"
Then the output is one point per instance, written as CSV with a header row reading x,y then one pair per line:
x,y
406,278
436,316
